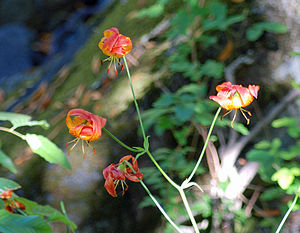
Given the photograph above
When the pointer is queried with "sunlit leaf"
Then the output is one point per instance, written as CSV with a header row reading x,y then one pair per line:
x,y
294,54
6,184
6,161
284,177
47,150
291,123
19,120
15,223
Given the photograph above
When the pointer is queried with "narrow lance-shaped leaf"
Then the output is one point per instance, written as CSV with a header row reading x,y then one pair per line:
x,y
33,208
10,223
6,161
6,184
47,150
18,120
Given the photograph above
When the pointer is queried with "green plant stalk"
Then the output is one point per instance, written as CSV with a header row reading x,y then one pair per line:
x,y
13,132
162,171
288,212
188,209
134,99
119,141
179,188
155,201
204,147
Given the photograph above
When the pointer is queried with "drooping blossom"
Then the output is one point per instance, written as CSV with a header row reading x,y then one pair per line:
x,y
114,45
84,125
118,173
232,97
10,204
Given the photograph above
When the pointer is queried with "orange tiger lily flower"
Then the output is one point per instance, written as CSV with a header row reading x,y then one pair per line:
x,y
232,97
115,173
84,125
114,45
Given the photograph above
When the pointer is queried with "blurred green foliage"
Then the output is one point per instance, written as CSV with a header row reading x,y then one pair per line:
x,y
198,29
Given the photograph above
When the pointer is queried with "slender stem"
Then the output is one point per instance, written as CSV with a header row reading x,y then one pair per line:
x,y
162,171
120,142
204,147
13,132
288,212
154,200
188,209
134,99
160,207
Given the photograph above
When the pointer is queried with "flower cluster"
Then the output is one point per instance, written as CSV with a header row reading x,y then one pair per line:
x,y
232,97
84,125
114,45
10,204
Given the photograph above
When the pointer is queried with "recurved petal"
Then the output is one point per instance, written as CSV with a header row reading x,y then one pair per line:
x,y
254,90
226,86
110,186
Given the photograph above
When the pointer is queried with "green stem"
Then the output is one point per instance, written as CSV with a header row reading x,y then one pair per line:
x,y
120,142
13,132
188,209
288,212
162,171
134,99
204,147
155,201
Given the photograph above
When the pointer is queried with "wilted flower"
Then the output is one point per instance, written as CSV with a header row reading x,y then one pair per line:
x,y
232,97
84,125
114,45
115,173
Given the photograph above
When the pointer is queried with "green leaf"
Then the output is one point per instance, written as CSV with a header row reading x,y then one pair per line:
x,y
253,33
265,160
294,54
271,194
164,100
47,150
273,27
291,123
153,11
212,68
33,208
19,120
7,162
183,112
15,223
257,29
284,177
6,185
